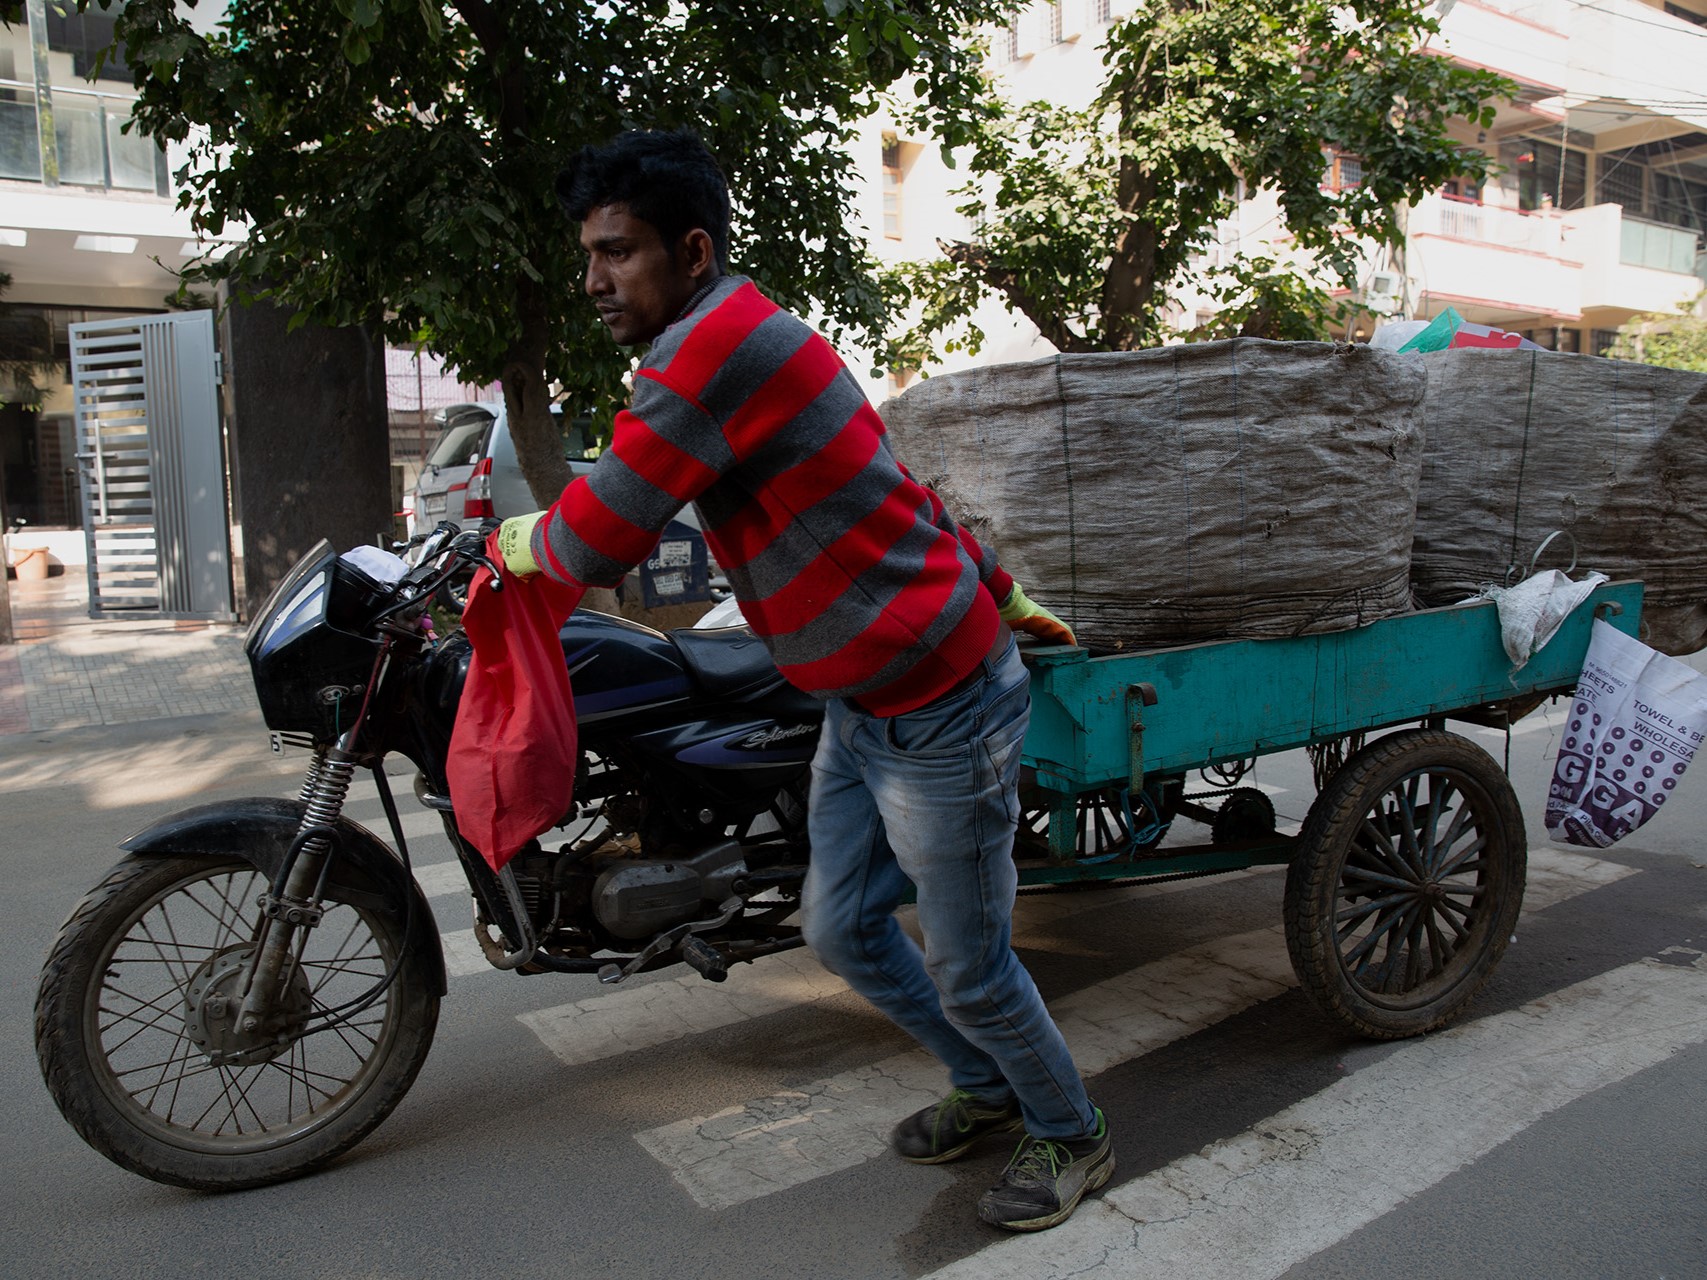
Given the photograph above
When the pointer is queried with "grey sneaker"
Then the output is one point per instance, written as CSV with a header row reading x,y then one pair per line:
x,y
1045,1181
950,1128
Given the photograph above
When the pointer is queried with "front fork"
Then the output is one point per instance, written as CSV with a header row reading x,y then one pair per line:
x,y
292,904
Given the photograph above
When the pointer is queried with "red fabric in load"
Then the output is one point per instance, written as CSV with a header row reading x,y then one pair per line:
x,y
512,752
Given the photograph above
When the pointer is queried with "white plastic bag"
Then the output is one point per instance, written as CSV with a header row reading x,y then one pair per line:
x,y
1531,612
1636,720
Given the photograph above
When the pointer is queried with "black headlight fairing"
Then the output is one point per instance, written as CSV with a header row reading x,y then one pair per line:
x,y
310,648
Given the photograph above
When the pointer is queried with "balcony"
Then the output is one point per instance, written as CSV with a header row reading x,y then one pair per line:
x,y
1495,264
1524,39
1632,265
90,147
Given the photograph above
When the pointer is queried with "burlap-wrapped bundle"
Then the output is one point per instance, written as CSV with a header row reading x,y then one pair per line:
x,y
1200,492
1520,444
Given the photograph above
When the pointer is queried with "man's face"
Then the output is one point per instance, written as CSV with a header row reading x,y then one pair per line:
x,y
638,283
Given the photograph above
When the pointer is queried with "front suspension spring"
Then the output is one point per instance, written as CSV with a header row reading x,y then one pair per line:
x,y
325,790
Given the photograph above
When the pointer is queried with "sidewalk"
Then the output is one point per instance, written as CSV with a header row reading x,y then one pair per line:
x,y
68,669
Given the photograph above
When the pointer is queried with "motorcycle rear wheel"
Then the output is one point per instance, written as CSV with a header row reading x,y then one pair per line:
x,y
143,978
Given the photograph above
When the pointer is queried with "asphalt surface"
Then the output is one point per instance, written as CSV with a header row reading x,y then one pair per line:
x,y
1557,1131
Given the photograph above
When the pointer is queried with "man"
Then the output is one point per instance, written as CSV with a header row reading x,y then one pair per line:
x,y
869,596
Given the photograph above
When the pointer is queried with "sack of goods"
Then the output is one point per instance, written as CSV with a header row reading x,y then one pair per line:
x,y
1521,444
1237,489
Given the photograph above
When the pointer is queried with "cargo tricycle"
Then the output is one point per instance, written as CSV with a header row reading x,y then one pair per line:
x,y
1405,881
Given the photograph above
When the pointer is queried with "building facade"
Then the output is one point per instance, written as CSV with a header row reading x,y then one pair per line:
x,y
88,230
1596,213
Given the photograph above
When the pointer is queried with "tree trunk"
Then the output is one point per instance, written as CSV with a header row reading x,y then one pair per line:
x,y
1130,288
527,401
6,634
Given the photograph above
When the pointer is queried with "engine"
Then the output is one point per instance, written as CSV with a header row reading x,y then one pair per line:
x,y
638,898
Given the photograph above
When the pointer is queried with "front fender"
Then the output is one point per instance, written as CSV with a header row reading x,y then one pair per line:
x,y
260,830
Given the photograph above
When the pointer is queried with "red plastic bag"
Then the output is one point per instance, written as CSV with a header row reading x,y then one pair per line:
x,y
512,752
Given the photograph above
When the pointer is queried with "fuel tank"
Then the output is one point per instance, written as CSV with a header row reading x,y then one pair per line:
x,y
713,701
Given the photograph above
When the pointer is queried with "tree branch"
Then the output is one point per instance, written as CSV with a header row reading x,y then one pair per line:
x,y
1048,321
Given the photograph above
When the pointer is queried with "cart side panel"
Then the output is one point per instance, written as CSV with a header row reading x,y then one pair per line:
x,y
1235,699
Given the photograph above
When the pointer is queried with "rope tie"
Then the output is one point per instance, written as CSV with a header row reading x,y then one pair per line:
x,y
1522,463
1067,466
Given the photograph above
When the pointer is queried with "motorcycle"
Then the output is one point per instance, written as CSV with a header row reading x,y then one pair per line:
x,y
255,986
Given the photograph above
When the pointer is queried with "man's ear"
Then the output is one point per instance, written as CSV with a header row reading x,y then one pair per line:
x,y
699,255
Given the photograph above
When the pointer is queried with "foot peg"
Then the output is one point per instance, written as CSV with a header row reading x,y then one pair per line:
x,y
706,959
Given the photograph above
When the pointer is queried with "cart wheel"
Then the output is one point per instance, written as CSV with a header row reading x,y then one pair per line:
x,y
1407,883
1110,822
1246,814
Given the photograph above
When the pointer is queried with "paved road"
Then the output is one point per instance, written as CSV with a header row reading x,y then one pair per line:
x,y
670,1127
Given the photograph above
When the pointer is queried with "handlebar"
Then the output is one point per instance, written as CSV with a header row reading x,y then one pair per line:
x,y
442,552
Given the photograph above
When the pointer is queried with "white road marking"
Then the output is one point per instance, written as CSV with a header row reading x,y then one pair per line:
x,y
656,1013
1254,1206
770,1144
644,1016
442,879
463,956
418,824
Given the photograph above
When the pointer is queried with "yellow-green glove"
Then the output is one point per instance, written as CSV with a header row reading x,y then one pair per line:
x,y
1022,614
515,541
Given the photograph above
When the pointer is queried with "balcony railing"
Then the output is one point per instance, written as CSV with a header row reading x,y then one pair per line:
x,y
89,148
1653,244
1487,224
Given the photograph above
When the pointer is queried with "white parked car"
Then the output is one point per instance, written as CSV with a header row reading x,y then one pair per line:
x,y
440,487
491,485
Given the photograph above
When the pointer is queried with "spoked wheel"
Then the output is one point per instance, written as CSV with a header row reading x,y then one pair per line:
x,y
1407,883
1109,823
141,1041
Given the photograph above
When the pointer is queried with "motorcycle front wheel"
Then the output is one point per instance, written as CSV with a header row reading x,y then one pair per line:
x,y
139,1038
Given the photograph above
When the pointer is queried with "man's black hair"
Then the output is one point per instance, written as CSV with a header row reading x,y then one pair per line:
x,y
668,180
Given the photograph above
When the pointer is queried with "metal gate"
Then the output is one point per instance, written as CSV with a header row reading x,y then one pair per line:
x,y
152,466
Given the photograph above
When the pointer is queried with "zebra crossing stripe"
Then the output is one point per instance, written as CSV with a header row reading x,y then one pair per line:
x,y
1254,1206
649,1014
767,1145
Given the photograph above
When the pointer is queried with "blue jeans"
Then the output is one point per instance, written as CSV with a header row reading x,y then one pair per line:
x,y
929,800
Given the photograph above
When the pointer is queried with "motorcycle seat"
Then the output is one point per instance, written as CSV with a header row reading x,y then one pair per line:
x,y
726,662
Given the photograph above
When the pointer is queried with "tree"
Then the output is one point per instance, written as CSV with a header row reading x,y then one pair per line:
x,y
392,161
1086,217
26,351
1675,341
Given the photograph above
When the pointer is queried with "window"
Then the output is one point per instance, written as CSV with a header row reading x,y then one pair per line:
x,y
1025,29
1681,201
891,187
1102,11
1555,338
1620,180
1601,340
1055,36
458,444
1343,172
83,36
1464,190
1548,176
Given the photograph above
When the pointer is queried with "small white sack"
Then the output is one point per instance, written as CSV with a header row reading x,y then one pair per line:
x,y
379,564
1531,612
1636,720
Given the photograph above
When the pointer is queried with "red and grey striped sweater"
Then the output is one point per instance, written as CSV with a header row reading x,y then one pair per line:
x,y
851,572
